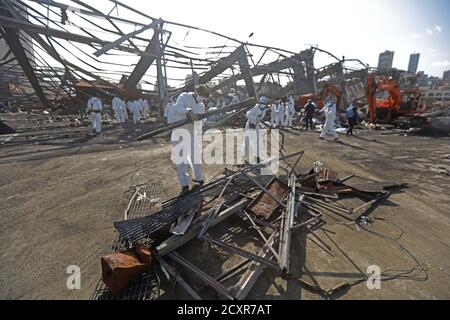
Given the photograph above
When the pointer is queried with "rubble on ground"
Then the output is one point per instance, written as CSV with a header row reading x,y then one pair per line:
x,y
271,207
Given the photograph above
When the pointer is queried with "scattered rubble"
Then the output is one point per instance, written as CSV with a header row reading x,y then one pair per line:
x,y
274,207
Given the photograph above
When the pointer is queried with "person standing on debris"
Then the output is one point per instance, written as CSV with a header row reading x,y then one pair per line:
x,y
273,114
254,118
289,111
136,110
95,108
352,118
310,112
188,106
330,117
123,105
145,108
118,111
130,107
280,114
283,113
169,111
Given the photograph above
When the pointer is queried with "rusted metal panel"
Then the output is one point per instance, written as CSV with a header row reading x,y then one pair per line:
x,y
264,206
328,175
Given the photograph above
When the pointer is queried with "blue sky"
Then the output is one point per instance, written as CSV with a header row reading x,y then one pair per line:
x,y
354,28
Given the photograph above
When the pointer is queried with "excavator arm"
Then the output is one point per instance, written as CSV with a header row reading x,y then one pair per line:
x,y
384,84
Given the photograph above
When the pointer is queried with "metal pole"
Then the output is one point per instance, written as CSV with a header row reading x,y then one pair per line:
x,y
218,287
160,75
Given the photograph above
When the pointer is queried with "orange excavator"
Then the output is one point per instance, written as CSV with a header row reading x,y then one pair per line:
x,y
320,98
398,103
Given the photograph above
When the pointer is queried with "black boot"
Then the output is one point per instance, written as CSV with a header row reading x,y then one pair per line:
x,y
185,190
201,182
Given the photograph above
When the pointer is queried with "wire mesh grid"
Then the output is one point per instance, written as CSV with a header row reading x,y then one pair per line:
x,y
143,199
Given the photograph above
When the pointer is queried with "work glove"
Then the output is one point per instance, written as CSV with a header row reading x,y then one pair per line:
x,y
192,116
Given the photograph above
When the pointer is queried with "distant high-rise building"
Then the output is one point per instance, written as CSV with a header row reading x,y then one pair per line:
x,y
386,59
446,76
413,63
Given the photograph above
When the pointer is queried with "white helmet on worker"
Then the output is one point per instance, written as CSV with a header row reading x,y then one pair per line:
x,y
264,100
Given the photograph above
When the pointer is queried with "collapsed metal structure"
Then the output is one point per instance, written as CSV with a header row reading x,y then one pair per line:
x,y
250,218
53,45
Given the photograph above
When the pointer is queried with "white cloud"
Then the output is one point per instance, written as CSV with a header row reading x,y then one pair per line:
x,y
438,28
444,63
417,35
429,31
437,53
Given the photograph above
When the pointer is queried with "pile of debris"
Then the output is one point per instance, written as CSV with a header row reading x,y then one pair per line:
x,y
271,207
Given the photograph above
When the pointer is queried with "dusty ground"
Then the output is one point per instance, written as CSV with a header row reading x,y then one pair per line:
x,y
60,194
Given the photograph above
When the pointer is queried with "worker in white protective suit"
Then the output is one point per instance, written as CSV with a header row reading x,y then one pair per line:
x,y
330,117
188,106
273,113
280,114
145,108
130,107
95,108
252,129
123,104
136,110
289,112
117,106
124,110
235,99
169,111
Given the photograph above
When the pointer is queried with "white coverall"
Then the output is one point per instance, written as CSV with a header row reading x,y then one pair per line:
x,y
123,105
136,109
273,114
125,110
187,102
330,118
254,118
117,106
169,112
289,111
130,107
280,114
145,108
95,107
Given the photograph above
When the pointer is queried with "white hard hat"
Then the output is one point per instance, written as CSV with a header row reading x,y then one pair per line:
x,y
263,100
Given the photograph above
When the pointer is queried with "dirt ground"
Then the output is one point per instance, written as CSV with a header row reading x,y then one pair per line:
x,y
61,190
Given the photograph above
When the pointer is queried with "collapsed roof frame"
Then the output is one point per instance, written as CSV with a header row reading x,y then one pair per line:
x,y
305,77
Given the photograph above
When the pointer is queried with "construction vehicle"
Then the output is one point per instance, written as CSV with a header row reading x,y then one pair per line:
x,y
397,104
320,98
